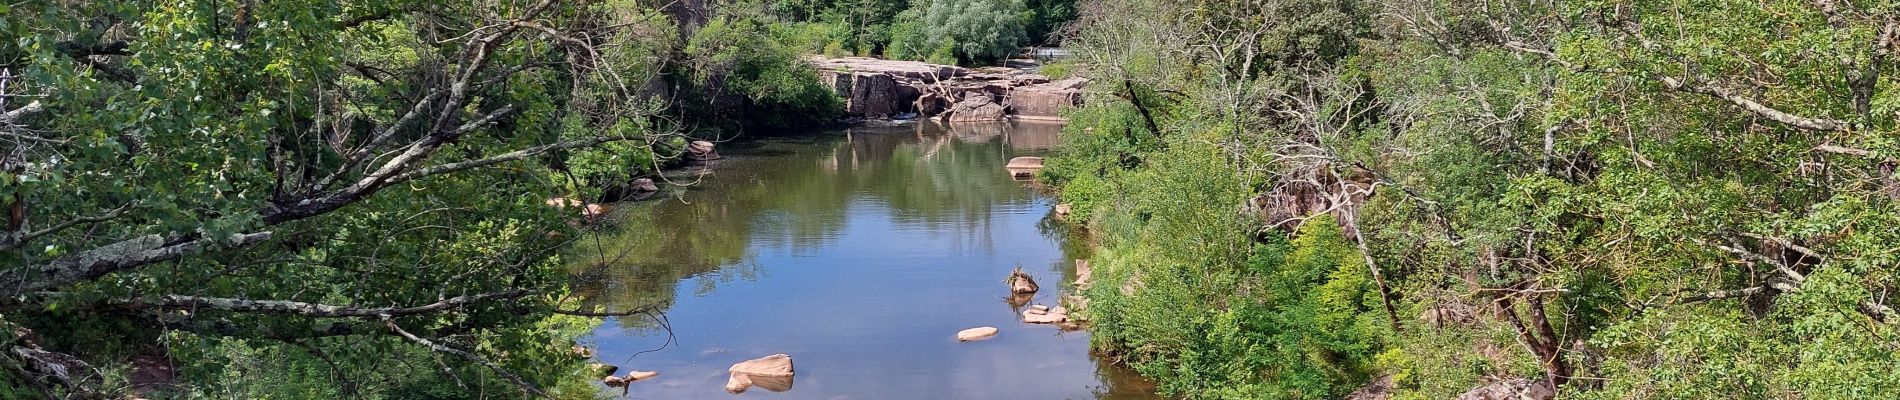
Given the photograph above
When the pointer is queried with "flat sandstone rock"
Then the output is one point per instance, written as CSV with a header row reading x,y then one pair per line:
x,y
975,334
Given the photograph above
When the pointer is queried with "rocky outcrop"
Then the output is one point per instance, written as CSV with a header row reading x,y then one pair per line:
x,y
876,89
975,109
1513,389
1045,100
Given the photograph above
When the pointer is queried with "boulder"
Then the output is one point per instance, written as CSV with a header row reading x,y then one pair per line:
x,y
976,109
1512,389
1020,282
636,376
595,210
1024,167
975,334
772,365
1062,209
644,185
701,150
1024,163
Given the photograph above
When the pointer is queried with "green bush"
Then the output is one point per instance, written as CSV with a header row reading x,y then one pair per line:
x,y
745,78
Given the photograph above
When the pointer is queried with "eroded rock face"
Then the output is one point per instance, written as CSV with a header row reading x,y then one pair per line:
x,y
978,108
1513,389
1045,100
876,89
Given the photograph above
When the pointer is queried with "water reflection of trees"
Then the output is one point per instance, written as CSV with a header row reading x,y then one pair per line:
x,y
795,196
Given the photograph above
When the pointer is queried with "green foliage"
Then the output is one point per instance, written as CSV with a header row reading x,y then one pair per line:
x,y
1677,200
977,30
738,67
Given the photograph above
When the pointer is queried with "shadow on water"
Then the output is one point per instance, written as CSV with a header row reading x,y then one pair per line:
x,y
858,252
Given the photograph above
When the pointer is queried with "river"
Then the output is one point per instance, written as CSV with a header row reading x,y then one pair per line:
x,y
860,253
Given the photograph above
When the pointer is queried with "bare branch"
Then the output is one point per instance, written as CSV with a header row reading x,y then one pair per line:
x,y
14,239
125,254
176,302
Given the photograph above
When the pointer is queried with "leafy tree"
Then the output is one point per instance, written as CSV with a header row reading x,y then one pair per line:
x,y
330,188
979,30
1622,199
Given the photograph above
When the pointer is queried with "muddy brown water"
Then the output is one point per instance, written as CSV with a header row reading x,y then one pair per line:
x,y
860,253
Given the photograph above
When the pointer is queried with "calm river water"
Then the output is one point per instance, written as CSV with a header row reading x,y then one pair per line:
x,y
860,253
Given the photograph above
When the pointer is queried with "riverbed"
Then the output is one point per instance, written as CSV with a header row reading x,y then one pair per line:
x,y
860,253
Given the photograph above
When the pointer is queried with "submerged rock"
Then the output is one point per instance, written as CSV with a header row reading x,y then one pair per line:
x,y
975,334
1020,282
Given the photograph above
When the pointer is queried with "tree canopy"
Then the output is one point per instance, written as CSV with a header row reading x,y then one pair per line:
x,y
270,188
1620,199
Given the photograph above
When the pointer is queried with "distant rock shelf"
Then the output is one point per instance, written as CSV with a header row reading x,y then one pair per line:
x,y
882,89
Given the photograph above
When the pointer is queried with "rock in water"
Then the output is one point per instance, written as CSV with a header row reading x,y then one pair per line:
x,y
701,150
738,383
976,108
772,365
636,376
1051,316
644,185
1024,163
1024,167
1021,283
975,334
602,370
